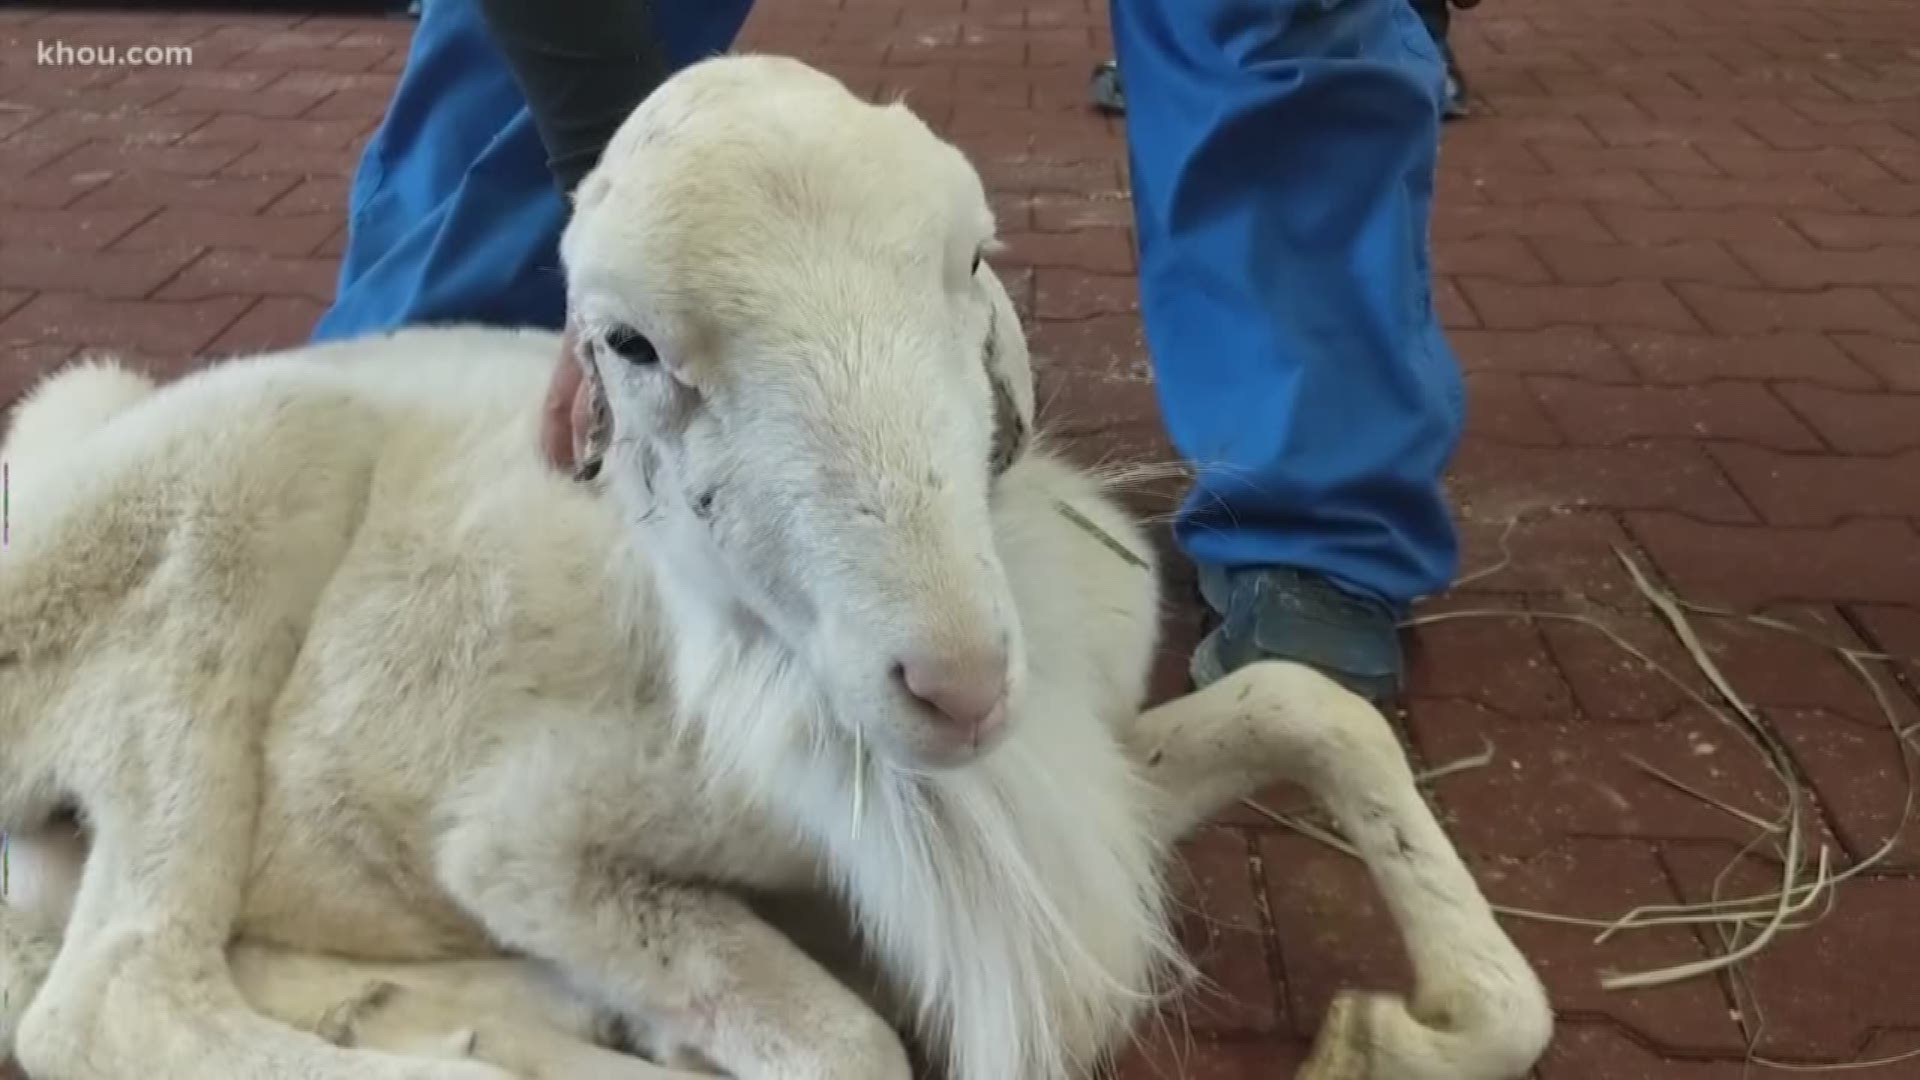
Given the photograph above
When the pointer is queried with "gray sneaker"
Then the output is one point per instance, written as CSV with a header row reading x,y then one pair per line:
x,y
1108,96
1285,614
1455,106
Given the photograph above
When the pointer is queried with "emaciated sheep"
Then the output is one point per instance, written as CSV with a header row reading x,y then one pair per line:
x,y
399,756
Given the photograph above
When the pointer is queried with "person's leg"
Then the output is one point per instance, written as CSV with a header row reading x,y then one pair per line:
x,y
1110,97
1282,158
454,215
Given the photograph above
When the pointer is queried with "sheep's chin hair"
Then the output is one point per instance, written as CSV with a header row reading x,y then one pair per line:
x,y
1021,916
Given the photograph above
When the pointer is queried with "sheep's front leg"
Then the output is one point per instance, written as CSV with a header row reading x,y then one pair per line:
x,y
1478,1012
694,967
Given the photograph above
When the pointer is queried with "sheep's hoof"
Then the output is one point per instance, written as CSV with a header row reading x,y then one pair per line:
x,y
342,1024
1344,1048
338,1025
1376,1036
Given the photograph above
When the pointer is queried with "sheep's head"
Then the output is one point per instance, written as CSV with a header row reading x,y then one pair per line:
x,y
814,380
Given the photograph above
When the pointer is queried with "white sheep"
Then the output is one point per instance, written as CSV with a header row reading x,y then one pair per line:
x,y
813,719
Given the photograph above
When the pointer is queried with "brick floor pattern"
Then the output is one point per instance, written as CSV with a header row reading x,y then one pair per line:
x,y
1679,256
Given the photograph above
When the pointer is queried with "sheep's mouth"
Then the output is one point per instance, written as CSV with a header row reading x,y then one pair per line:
x,y
592,422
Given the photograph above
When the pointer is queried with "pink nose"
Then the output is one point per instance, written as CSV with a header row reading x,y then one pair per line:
x,y
968,691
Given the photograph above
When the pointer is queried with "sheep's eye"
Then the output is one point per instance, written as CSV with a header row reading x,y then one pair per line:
x,y
976,262
631,345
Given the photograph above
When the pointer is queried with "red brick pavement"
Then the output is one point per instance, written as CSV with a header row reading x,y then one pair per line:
x,y
1680,259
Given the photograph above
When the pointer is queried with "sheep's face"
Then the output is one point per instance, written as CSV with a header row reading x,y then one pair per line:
x,y
813,380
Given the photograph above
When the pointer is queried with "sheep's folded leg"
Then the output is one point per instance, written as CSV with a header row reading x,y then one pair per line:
x,y
508,1013
1477,1012
141,986
696,967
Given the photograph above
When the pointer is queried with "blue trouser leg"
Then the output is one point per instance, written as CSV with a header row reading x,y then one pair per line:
x,y
454,216
1282,158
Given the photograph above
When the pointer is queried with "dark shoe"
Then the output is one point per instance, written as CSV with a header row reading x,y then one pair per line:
x,y
1285,614
1454,105
1107,94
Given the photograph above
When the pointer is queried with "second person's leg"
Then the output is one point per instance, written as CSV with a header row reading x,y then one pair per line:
x,y
1282,159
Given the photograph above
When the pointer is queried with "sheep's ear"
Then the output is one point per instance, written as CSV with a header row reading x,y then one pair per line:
x,y
1010,375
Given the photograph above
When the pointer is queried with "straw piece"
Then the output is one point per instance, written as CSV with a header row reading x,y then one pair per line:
x,y
1841,1066
1671,781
